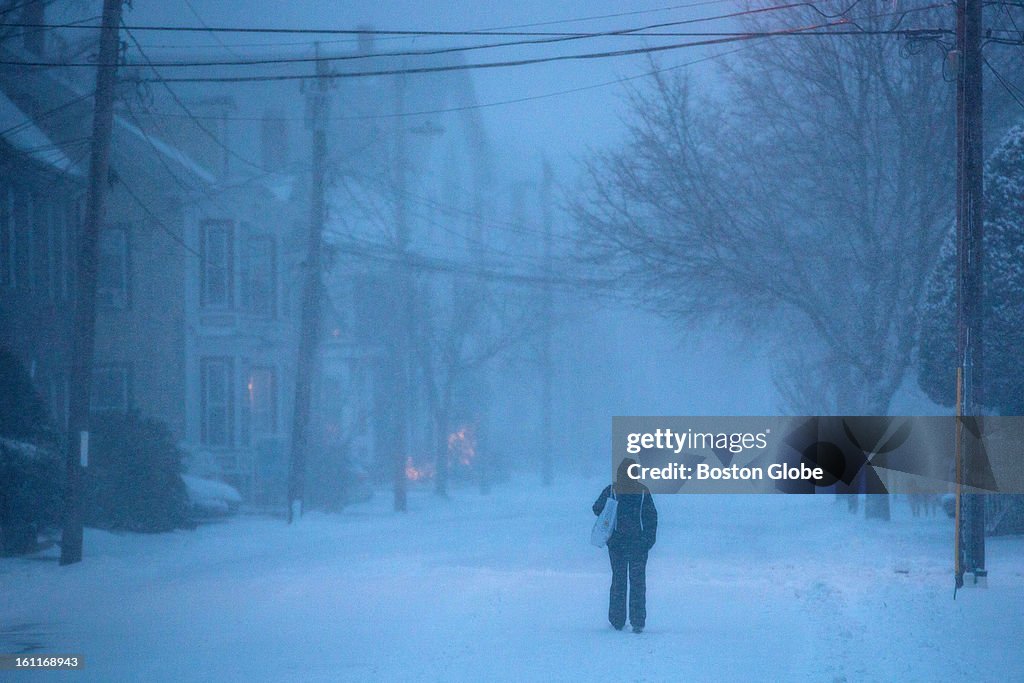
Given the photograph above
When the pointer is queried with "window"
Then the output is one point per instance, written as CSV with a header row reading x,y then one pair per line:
x,y
67,236
6,236
23,215
57,241
76,218
40,218
261,397
111,388
217,268
217,406
60,397
112,268
259,290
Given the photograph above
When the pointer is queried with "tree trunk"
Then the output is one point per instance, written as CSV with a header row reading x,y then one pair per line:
x,y
441,455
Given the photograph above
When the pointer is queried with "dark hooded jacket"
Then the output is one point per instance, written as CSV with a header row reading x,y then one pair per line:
x,y
636,520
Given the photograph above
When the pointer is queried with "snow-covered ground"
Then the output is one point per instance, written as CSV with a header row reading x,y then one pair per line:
x,y
506,587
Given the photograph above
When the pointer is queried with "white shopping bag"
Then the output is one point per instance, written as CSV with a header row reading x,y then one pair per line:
x,y
605,524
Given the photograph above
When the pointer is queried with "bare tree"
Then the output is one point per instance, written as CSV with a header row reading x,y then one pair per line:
x,y
465,330
816,190
807,198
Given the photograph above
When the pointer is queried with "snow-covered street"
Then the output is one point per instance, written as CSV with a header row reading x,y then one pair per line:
x,y
506,587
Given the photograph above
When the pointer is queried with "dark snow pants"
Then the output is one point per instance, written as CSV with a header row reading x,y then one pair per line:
x,y
628,562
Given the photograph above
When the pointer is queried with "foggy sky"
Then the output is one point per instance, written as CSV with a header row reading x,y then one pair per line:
x,y
637,364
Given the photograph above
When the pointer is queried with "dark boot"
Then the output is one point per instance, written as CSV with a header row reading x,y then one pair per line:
x,y
617,593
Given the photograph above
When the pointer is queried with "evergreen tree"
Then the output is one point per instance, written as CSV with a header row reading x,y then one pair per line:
x,y
1003,305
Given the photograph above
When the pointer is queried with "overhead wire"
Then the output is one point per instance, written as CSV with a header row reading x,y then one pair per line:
x,y
564,57
184,107
188,113
575,20
215,36
483,105
159,222
745,36
678,66
546,38
713,38
390,254
1014,92
31,121
32,29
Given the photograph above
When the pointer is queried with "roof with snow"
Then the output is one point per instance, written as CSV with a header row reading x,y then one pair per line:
x,y
18,130
172,153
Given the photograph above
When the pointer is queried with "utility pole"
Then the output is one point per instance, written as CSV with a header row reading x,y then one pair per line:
x,y
970,541
77,454
309,330
547,309
402,280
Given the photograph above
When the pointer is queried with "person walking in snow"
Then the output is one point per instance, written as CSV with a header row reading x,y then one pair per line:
x,y
636,530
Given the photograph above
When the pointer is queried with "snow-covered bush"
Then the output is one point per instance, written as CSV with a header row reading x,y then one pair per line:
x,y
30,494
22,413
133,481
31,473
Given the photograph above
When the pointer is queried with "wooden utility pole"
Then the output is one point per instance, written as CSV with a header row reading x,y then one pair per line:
x,y
547,311
309,330
85,297
970,289
402,281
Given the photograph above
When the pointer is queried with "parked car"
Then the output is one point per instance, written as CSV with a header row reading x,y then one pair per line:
x,y
209,499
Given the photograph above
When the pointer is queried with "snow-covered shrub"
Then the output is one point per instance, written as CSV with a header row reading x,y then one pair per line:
x,y
31,473
133,481
31,480
23,415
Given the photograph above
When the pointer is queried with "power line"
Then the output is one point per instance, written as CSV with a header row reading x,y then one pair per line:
x,y
507,227
488,31
558,38
550,59
426,33
545,38
201,187
216,37
484,105
1006,84
17,6
184,107
500,30
43,28
355,31
31,121
386,254
616,15
159,223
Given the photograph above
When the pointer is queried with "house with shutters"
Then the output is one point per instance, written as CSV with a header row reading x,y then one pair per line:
x,y
201,254
198,270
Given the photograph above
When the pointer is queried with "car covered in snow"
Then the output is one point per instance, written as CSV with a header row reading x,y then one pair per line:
x,y
209,499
